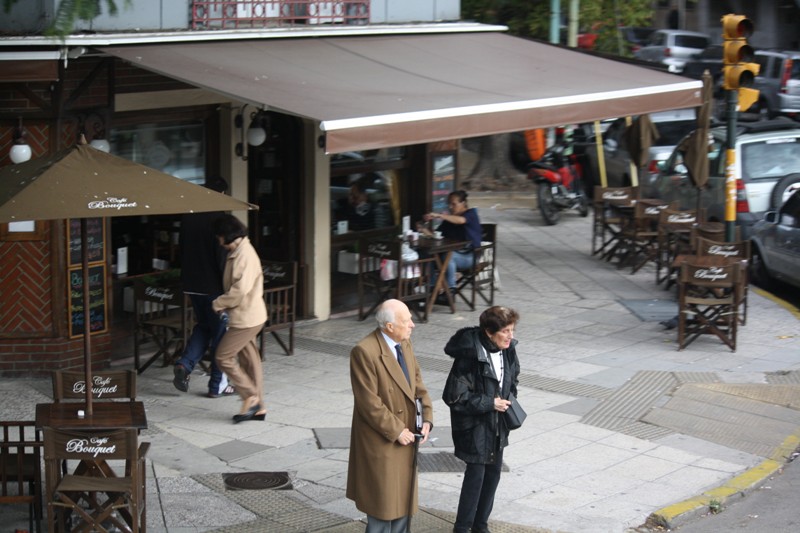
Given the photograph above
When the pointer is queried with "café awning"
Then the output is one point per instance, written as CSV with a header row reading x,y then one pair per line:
x,y
391,90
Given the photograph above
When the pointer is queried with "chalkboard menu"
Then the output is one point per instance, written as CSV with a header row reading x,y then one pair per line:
x,y
95,240
444,175
98,299
98,305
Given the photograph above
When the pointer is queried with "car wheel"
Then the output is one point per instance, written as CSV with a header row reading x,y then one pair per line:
x,y
547,204
758,270
784,189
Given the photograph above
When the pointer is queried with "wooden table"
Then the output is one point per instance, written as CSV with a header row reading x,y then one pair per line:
x,y
105,416
442,251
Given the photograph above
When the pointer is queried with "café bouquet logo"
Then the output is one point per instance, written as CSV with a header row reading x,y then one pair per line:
x,y
101,385
112,203
94,446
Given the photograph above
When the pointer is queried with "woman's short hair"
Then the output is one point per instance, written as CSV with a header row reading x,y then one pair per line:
x,y
229,228
497,317
461,194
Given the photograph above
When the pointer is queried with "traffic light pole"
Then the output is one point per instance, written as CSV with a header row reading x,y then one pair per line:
x,y
731,103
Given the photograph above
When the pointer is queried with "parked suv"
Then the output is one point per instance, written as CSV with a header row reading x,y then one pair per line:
x,y
779,82
767,170
673,48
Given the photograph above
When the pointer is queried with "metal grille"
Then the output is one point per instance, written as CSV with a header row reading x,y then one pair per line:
x,y
274,13
257,481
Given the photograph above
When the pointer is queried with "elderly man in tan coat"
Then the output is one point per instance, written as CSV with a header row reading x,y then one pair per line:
x,y
386,380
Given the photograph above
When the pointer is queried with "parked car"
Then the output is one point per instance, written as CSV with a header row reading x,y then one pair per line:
x,y
673,48
776,245
709,59
766,167
672,126
778,81
635,37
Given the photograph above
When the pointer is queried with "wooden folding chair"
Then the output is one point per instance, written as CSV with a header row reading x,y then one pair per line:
x,y
95,501
674,234
734,251
709,296
163,316
21,468
640,236
280,290
607,223
479,279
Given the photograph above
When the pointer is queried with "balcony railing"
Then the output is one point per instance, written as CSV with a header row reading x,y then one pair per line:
x,y
275,13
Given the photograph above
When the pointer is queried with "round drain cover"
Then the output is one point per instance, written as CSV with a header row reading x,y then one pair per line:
x,y
257,480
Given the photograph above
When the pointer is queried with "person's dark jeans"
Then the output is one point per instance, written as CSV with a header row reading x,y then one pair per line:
x,y
477,495
206,334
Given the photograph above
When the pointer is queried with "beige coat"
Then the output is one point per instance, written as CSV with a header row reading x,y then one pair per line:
x,y
379,474
243,281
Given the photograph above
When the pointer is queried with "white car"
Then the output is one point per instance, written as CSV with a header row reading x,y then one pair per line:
x,y
673,48
767,170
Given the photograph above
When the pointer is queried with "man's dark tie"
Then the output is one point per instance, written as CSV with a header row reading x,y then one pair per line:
x,y
402,361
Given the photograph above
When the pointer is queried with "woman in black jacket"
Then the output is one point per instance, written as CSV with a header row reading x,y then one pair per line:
x,y
485,373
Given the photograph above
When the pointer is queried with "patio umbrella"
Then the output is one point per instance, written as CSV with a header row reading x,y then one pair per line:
x,y
696,145
82,182
639,137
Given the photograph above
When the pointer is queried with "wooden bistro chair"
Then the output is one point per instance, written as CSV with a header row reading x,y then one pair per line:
x,y
383,274
96,501
21,468
479,280
280,290
733,251
709,296
607,221
674,233
640,236
163,316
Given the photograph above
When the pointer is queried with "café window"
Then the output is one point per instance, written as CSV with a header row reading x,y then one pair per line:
x,y
176,149
365,190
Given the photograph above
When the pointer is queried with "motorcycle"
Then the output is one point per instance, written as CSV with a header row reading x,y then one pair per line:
x,y
559,184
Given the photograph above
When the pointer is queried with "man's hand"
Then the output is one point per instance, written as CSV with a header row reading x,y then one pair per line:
x,y
501,405
406,437
426,430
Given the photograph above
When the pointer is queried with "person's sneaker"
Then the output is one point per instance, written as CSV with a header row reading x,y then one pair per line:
x,y
227,391
181,379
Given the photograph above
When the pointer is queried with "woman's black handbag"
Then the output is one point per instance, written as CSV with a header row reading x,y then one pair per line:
x,y
515,415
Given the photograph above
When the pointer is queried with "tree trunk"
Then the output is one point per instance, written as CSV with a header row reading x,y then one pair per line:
x,y
493,170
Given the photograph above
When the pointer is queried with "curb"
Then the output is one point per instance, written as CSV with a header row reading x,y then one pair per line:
x,y
679,513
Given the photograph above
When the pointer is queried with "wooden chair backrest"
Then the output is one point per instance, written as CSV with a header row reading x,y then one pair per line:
x,y
118,444
280,293
614,195
108,385
20,460
724,275
677,217
731,250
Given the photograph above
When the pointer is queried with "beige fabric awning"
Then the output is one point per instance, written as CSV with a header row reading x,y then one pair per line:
x,y
378,91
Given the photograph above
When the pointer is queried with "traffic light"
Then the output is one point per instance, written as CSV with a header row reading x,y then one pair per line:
x,y
739,73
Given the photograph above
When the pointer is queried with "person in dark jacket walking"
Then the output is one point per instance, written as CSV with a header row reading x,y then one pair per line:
x,y
485,372
202,262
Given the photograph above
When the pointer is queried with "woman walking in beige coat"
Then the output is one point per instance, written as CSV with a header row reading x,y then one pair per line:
x,y
243,301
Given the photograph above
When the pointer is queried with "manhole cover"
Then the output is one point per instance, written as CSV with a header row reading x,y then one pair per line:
x,y
257,481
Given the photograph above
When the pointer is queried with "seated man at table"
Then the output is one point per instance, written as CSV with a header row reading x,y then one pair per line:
x,y
460,224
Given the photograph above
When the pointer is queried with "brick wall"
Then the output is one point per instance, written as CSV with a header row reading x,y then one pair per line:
x,y
29,341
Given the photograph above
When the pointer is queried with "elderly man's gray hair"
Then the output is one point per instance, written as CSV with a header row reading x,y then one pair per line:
x,y
384,315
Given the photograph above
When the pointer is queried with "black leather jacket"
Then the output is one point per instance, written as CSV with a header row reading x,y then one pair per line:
x,y
470,391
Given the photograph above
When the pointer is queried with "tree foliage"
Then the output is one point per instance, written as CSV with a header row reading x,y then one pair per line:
x,y
531,18
70,11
